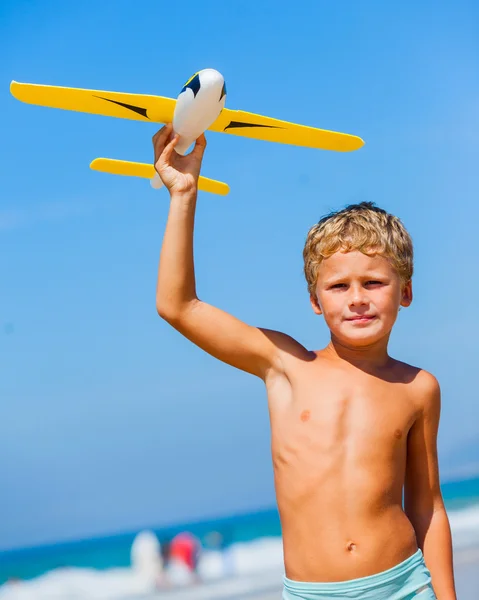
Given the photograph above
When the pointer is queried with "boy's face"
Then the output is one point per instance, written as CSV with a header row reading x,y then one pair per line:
x,y
359,296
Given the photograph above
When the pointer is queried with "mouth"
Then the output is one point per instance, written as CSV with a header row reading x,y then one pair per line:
x,y
361,319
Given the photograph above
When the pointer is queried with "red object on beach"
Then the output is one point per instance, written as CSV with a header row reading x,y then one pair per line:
x,y
185,548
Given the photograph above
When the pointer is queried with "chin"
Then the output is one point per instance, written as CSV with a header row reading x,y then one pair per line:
x,y
357,341
360,337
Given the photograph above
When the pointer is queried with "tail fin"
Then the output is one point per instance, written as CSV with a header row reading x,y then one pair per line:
x,y
147,171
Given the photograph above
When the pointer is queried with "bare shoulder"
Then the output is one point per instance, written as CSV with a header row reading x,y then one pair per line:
x,y
423,385
289,356
288,347
285,343
426,382
427,392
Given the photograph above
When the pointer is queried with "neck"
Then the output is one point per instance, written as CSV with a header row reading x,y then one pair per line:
x,y
373,356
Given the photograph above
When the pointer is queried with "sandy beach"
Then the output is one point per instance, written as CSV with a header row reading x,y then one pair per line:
x,y
466,570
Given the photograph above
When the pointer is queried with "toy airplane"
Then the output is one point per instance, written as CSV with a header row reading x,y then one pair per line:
x,y
199,107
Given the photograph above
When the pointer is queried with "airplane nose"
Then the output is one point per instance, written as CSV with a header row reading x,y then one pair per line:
x,y
197,106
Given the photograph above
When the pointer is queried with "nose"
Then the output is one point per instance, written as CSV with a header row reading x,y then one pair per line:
x,y
357,296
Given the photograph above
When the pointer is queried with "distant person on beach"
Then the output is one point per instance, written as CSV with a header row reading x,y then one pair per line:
x,y
183,557
146,558
351,426
223,543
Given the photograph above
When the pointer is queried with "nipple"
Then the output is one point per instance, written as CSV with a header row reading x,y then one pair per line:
x,y
305,415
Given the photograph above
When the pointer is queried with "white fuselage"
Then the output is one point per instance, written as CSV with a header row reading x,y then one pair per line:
x,y
197,108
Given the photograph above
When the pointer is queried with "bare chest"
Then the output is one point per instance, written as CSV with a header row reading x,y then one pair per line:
x,y
340,419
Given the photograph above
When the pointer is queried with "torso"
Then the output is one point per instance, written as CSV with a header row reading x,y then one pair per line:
x,y
339,441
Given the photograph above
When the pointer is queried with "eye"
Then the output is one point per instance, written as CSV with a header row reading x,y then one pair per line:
x,y
337,286
374,282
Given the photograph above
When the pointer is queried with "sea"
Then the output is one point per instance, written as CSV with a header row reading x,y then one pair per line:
x,y
241,555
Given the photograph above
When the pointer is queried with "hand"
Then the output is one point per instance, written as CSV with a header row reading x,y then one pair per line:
x,y
178,173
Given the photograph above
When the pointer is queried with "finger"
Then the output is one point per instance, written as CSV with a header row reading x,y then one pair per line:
x,y
159,133
200,146
160,139
165,156
163,133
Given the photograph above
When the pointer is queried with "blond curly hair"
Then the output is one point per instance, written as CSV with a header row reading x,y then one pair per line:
x,y
363,227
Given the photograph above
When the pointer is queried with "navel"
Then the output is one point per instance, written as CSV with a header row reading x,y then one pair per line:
x,y
305,415
351,547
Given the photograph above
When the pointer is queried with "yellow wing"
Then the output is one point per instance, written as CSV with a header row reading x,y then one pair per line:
x,y
238,122
158,109
135,169
140,107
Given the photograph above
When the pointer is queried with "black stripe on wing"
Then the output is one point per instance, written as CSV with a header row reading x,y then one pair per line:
x,y
138,109
239,124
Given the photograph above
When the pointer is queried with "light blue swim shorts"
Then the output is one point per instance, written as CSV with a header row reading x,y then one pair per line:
x,y
409,580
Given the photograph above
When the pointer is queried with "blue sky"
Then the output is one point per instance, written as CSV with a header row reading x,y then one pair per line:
x,y
109,419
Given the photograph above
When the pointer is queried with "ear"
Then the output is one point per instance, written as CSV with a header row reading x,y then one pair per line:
x,y
406,297
315,305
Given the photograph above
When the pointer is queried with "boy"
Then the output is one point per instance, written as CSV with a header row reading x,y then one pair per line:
x,y
350,426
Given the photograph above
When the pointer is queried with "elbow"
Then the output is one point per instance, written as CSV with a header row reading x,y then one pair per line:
x,y
165,311
172,314
165,305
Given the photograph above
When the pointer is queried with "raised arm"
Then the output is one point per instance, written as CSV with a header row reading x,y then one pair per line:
x,y
249,348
